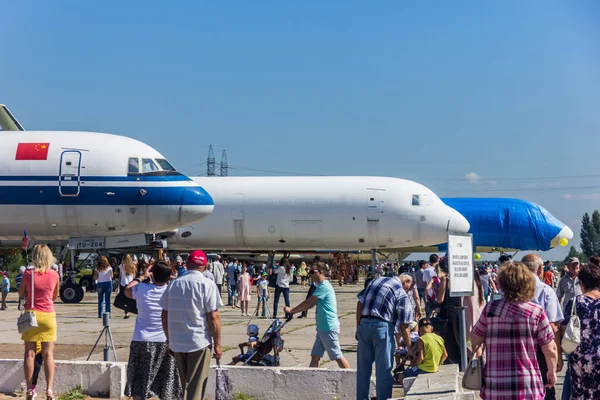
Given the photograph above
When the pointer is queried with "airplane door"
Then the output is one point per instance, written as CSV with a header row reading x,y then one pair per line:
x,y
375,209
237,215
375,203
69,173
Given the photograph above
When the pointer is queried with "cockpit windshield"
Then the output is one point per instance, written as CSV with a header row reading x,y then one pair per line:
x,y
149,166
165,165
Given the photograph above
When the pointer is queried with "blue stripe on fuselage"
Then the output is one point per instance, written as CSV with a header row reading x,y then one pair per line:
x,y
97,195
133,178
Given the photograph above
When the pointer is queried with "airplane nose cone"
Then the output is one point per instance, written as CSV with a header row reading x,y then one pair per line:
x,y
458,223
563,237
566,233
196,204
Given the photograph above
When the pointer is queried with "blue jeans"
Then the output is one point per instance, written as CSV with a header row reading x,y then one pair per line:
x,y
286,297
232,295
375,344
566,393
104,290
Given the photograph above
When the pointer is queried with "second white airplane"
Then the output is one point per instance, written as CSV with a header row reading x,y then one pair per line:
x,y
319,213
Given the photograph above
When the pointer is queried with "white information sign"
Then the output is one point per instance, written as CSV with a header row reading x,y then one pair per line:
x,y
460,264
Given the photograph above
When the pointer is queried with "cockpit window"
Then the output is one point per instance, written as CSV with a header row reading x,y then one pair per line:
x,y
148,165
165,165
134,166
416,200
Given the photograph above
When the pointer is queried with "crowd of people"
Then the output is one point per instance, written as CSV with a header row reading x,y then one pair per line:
x,y
406,324
516,319
176,333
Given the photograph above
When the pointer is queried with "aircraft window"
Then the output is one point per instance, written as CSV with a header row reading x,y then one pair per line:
x,y
164,164
134,166
416,200
148,165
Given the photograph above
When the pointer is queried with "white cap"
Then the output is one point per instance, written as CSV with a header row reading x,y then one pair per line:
x,y
179,259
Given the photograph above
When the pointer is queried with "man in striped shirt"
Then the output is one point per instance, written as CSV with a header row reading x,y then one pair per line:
x,y
381,306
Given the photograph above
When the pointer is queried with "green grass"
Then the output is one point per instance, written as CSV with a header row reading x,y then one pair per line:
x,y
243,396
74,394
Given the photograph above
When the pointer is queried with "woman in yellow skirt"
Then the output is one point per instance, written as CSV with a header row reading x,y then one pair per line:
x,y
40,300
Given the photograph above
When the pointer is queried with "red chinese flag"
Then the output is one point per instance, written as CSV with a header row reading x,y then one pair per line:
x,y
32,151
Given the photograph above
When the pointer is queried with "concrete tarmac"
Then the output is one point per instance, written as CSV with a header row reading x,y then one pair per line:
x,y
79,327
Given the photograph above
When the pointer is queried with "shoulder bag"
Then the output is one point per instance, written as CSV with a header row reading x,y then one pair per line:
x,y
473,375
27,320
124,303
572,336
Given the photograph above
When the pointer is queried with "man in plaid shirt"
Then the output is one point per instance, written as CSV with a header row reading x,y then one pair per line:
x,y
381,306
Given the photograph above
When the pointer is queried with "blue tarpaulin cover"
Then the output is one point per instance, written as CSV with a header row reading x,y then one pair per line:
x,y
507,223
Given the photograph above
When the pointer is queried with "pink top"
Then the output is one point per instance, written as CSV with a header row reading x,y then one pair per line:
x,y
44,285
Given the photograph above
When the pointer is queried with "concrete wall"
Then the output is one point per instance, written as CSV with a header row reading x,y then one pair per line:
x,y
96,378
291,383
109,378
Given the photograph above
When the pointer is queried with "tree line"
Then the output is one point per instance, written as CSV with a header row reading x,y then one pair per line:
x,y
590,237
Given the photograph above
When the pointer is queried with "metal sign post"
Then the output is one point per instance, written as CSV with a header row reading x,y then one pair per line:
x,y
460,270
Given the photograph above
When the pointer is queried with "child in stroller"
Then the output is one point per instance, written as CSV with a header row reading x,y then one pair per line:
x,y
259,353
252,333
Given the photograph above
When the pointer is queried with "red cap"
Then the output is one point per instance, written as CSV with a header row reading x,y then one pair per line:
x,y
197,257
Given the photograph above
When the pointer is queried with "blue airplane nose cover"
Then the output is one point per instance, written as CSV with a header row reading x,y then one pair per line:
x,y
507,223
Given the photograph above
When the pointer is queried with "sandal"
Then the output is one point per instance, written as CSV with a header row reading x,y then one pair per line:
x,y
30,395
50,395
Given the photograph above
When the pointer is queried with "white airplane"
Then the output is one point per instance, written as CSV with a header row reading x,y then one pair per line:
x,y
58,185
319,213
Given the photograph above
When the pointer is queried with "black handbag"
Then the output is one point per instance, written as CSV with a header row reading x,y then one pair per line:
x,y
124,303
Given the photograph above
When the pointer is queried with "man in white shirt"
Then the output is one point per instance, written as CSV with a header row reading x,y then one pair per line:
x,y
218,271
192,324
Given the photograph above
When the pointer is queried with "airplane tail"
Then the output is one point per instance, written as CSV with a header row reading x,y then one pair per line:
x,y
7,121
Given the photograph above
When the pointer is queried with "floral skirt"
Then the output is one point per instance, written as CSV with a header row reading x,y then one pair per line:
x,y
152,372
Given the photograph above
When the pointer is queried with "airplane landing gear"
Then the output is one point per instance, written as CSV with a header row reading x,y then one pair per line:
x,y
71,293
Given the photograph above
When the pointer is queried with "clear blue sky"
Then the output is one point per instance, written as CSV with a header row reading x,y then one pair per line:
x,y
505,91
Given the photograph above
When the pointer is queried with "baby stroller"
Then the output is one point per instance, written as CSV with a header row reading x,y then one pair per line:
x,y
270,342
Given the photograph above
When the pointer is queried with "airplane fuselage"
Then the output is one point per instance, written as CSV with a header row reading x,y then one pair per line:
x,y
60,185
318,213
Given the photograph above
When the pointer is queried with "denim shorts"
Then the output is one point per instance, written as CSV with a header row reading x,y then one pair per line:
x,y
327,340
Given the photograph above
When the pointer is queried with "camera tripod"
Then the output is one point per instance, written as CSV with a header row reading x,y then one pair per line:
x,y
108,336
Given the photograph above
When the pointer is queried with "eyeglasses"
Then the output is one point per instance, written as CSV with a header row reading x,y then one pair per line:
x,y
313,271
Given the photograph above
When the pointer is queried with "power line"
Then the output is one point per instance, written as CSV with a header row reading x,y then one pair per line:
x,y
274,172
522,189
522,179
